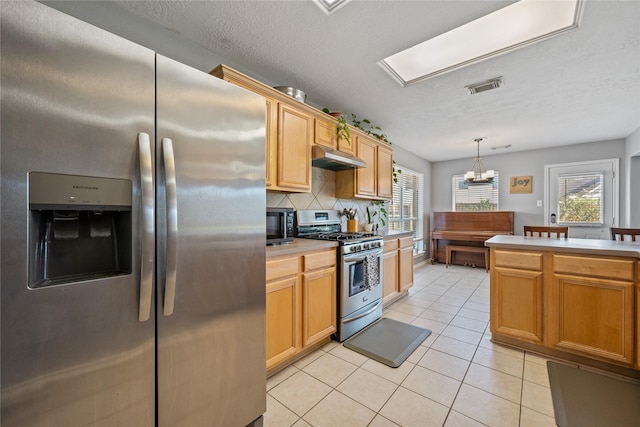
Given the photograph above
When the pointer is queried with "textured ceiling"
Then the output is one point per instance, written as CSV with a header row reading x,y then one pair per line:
x,y
581,86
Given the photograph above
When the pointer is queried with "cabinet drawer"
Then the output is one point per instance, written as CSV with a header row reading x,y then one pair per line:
x,y
520,260
390,245
608,268
319,260
282,268
405,242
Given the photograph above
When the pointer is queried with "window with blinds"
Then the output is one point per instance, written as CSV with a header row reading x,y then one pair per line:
x,y
406,207
580,199
475,197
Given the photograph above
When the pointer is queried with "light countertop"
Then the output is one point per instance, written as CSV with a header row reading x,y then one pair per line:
x,y
582,246
299,246
395,234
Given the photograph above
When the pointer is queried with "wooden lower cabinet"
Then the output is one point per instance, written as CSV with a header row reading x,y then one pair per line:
x,y
405,263
300,304
282,310
516,298
516,295
567,304
594,312
318,305
282,320
397,267
390,273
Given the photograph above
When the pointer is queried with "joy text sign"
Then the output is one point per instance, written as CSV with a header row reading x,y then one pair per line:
x,y
520,184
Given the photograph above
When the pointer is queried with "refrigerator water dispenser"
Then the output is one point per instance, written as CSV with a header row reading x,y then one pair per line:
x,y
79,228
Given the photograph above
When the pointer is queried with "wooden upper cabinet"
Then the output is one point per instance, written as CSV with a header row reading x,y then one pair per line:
x,y
290,133
325,133
295,129
385,172
348,146
372,182
366,178
271,145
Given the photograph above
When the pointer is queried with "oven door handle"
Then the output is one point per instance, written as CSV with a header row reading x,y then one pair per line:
x,y
354,259
361,315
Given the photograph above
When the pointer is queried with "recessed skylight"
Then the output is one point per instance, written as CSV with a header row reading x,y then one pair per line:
x,y
330,6
512,27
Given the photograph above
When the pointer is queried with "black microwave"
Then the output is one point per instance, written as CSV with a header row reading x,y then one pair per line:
x,y
279,225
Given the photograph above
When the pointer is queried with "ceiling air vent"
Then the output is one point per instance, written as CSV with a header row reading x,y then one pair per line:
x,y
484,86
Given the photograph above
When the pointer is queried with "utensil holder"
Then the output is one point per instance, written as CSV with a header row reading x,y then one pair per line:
x,y
352,225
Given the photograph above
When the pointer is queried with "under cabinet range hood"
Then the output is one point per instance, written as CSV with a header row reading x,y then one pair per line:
x,y
328,158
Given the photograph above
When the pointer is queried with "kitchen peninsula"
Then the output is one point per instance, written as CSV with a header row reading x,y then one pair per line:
x,y
576,299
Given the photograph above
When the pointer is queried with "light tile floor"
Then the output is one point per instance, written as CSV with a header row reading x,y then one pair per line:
x,y
457,377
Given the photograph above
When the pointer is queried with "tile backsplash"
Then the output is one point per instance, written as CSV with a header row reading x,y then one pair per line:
x,y
322,196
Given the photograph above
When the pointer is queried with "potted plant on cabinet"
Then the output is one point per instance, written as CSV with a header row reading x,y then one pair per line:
x,y
342,129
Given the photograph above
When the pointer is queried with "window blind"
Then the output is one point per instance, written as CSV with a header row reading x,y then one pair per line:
x,y
406,206
475,197
580,199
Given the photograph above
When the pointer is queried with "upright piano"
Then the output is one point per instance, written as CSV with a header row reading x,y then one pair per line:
x,y
467,228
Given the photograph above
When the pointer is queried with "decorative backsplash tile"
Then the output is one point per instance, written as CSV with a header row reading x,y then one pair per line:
x,y
322,196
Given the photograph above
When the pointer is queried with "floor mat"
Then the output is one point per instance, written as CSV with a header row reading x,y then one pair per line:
x,y
388,341
584,398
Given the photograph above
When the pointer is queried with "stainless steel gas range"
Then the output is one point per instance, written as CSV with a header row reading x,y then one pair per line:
x,y
359,269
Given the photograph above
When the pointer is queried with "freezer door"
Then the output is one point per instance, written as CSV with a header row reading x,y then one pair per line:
x,y
210,147
74,98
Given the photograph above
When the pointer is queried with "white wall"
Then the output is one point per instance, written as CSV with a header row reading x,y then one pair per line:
x,y
523,163
632,178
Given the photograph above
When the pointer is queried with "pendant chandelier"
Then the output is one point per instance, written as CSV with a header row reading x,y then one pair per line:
x,y
478,174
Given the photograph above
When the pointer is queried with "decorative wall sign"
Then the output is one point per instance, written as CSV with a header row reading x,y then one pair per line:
x,y
520,184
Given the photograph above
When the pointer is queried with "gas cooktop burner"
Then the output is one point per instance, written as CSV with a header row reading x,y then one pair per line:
x,y
338,236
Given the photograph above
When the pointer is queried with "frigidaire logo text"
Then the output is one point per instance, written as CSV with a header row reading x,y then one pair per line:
x,y
86,187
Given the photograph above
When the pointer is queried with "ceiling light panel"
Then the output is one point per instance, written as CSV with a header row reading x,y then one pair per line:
x,y
330,6
512,27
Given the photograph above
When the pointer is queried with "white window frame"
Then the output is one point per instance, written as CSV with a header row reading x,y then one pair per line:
x,y
612,194
418,238
455,178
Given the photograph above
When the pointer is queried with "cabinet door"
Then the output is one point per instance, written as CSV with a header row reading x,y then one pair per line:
x,y
325,134
385,173
516,303
319,305
294,149
390,273
595,317
366,177
405,263
348,146
282,320
271,156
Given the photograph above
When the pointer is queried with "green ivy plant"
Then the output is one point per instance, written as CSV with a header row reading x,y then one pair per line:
x,y
342,129
374,131
396,172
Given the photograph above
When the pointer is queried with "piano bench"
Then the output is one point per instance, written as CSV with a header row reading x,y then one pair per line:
x,y
476,249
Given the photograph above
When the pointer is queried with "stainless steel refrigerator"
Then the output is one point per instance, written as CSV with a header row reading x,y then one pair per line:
x,y
133,233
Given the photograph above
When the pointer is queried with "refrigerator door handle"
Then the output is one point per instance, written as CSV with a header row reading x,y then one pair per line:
x,y
148,218
172,226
